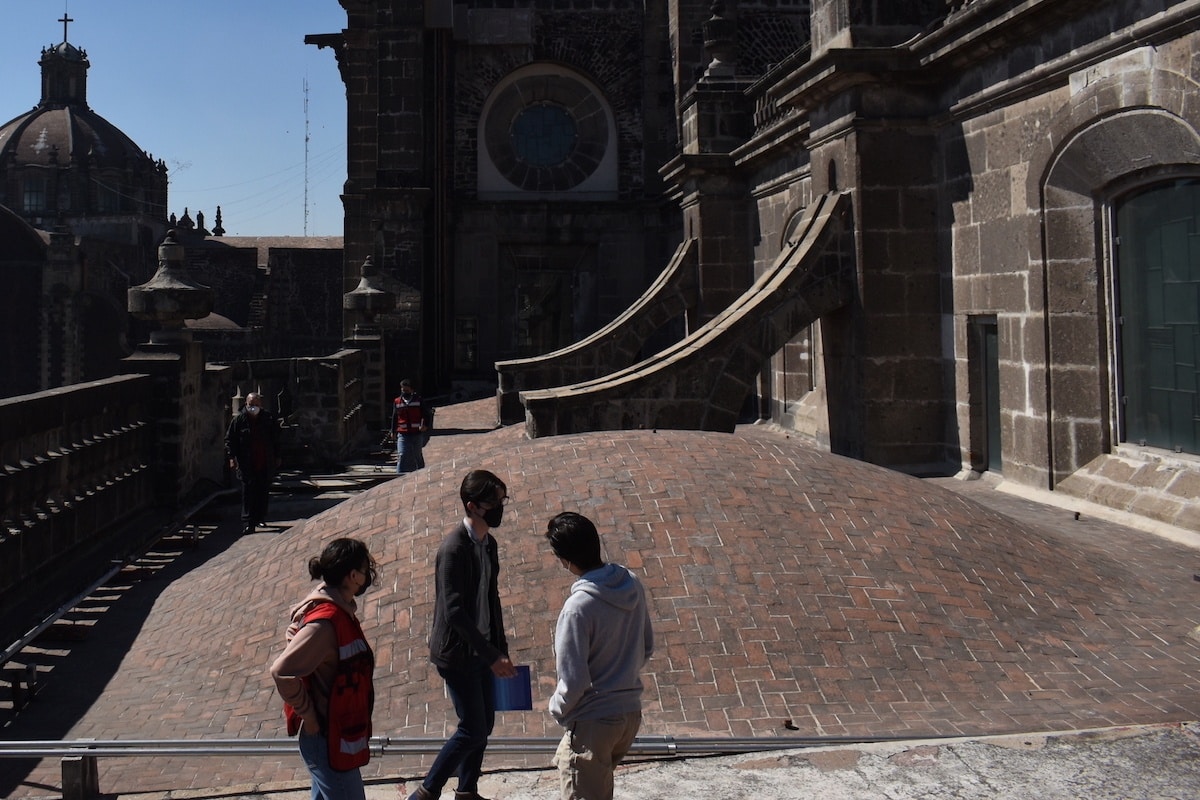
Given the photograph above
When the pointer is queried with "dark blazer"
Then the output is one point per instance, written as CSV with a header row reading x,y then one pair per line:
x,y
243,434
455,641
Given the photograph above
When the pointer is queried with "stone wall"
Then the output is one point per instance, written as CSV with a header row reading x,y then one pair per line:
x,y
1030,185
75,464
319,401
986,159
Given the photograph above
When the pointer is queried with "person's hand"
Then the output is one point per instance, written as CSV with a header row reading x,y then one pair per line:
x,y
311,727
503,668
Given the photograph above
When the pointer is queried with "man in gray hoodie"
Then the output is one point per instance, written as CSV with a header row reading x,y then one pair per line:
x,y
601,642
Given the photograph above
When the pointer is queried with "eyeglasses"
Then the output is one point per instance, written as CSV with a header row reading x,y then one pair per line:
x,y
503,501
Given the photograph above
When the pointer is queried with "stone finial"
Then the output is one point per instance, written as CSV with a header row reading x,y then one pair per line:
x,y
369,297
170,296
720,42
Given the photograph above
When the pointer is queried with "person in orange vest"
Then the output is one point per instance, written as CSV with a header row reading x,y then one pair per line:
x,y
325,673
411,422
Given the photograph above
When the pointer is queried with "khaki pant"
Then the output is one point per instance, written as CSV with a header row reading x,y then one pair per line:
x,y
589,752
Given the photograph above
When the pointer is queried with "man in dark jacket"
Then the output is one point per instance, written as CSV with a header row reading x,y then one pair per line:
x,y
467,644
252,447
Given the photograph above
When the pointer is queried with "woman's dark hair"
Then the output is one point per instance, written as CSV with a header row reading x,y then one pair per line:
x,y
573,537
339,558
480,487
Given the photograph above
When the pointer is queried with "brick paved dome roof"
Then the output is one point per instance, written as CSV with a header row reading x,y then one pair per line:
x,y
794,592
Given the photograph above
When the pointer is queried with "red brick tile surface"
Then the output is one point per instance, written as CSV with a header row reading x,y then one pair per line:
x,y
794,593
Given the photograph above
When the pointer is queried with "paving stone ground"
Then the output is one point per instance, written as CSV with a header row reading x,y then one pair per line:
x,y
795,593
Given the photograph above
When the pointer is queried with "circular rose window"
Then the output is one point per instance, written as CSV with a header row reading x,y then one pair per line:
x,y
546,133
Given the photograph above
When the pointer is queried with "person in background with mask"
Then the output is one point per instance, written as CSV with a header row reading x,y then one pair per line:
x,y
467,644
326,672
411,423
252,448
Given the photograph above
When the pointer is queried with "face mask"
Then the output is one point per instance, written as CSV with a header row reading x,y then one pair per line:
x,y
494,516
366,585
252,410
406,396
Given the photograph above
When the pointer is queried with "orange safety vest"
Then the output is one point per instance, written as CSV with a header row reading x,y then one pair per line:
x,y
352,695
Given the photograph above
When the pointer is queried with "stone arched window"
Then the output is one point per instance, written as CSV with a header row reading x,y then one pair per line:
x,y
547,133
1156,297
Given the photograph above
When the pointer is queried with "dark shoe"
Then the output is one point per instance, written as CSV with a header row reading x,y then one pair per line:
x,y
468,796
248,529
421,794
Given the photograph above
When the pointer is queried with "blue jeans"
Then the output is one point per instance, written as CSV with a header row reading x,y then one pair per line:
x,y
409,457
328,783
474,697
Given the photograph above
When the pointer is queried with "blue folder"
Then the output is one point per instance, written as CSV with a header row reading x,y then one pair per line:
x,y
515,693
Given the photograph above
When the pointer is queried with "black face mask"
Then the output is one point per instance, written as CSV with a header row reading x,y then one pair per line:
x,y
370,576
494,516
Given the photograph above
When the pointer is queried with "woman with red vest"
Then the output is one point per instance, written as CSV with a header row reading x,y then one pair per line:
x,y
325,674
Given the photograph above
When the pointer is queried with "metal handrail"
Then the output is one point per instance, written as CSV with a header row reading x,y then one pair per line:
x,y
647,746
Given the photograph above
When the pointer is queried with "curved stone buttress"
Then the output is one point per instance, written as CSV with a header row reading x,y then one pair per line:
x,y
615,345
701,382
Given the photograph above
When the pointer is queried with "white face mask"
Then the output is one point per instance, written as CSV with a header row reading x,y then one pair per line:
x,y
252,410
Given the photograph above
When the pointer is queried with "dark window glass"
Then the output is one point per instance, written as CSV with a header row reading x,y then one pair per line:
x,y
1158,295
543,135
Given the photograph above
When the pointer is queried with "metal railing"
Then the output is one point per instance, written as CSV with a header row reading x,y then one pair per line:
x,y
80,772
646,746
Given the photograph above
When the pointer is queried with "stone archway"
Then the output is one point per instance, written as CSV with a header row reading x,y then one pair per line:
x,y
1095,154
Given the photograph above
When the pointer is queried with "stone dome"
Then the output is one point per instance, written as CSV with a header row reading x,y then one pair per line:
x,y
63,160
50,135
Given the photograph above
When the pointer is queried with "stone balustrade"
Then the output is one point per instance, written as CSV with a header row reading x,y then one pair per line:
x,y
74,463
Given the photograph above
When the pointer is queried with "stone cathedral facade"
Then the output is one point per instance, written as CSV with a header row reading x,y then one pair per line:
x,y
1002,195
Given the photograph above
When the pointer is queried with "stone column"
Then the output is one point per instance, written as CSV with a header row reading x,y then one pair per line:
x,y
363,304
716,118
61,323
177,364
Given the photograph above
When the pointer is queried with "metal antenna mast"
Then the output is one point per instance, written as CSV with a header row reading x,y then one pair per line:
x,y
306,156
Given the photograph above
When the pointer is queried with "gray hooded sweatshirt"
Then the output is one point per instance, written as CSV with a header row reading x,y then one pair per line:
x,y
602,641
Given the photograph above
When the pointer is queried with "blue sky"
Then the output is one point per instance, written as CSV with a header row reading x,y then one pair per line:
x,y
216,90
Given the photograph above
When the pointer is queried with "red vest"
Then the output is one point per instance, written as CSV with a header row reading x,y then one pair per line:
x,y
352,695
408,415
